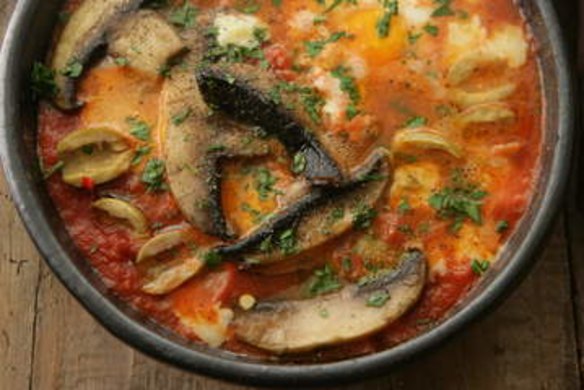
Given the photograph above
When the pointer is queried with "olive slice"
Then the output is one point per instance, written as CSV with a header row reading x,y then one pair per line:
x,y
485,113
97,154
161,243
424,138
123,210
173,277
466,98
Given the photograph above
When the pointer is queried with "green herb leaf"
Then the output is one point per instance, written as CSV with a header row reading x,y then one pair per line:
x,y
363,216
404,207
153,175
212,259
52,170
181,116
416,121
502,226
121,61
287,242
74,69
432,30
314,48
139,128
140,153
384,23
378,299
43,81
264,182
299,163
324,281
184,16
349,86
479,267
443,8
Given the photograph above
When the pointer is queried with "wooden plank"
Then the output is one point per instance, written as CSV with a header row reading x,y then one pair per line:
x,y
72,351
19,274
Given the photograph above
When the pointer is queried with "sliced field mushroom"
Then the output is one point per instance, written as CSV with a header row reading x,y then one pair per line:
x,y
195,144
84,32
123,210
95,154
485,113
146,41
316,218
173,277
252,96
161,243
294,326
466,98
424,138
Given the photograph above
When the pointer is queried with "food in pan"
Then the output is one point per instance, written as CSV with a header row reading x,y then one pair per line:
x,y
299,180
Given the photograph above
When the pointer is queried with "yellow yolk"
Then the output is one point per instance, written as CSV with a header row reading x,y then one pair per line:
x,y
376,50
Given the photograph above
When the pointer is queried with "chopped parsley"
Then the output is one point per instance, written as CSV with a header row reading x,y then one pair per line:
x,y
443,8
43,81
459,202
216,148
277,3
415,121
181,116
74,69
299,163
184,16
140,153
431,29
311,101
502,226
384,23
314,48
248,7
324,281
479,267
139,128
363,216
264,182
336,3
153,175
156,4
349,86
404,207
378,299
121,61
256,214
212,258
287,242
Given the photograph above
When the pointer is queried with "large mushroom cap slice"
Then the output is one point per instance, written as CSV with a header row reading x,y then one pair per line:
x,y
98,154
351,313
146,41
195,143
84,32
318,217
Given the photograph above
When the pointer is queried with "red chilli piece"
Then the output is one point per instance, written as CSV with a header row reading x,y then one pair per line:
x,y
88,183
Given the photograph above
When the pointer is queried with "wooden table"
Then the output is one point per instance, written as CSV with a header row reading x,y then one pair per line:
x,y
533,341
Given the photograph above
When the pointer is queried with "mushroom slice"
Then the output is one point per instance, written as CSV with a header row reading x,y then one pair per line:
x,y
485,113
470,98
252,96
173,276
424,138
100,154
123,210
161,243
195,144
146,40
84,32
294,326
323,214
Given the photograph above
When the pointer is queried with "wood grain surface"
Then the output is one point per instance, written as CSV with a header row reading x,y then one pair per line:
x,y
533,341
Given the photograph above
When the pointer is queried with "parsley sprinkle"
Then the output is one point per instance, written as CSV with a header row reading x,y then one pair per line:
x,y
299,163
377,299
212,259
121,61
404,207
52,170
349,86
416,121
443,8
287,242
73,69
384,23
479,267
363,216
324,281
43,81
314,48
264,182
432,30
139,128
153,175
184,16
140,153
181,116
502,226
